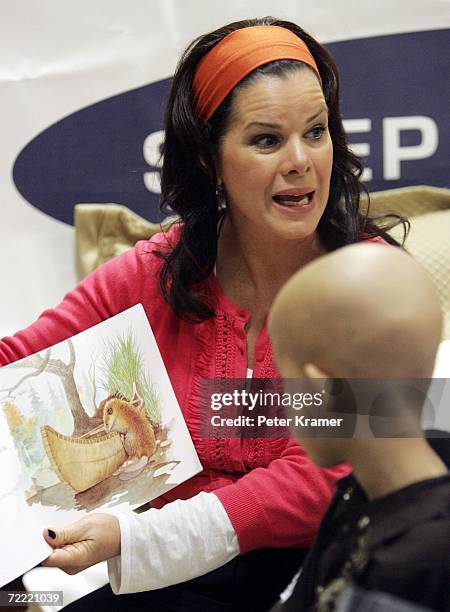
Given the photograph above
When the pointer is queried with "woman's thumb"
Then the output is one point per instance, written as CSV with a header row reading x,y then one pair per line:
x,y
62,536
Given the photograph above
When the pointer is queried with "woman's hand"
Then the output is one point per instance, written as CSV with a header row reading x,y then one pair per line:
x,y
93,539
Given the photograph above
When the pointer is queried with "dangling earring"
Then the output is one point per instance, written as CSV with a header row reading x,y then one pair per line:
x,y
221,196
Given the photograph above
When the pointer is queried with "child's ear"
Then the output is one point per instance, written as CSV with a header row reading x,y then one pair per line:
x,y
310,370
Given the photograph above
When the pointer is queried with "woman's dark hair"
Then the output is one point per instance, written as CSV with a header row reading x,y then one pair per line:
x,y
188,179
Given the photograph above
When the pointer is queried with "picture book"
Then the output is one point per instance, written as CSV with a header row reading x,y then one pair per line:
x,y
90,424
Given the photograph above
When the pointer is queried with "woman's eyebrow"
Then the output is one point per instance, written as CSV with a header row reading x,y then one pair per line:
x,y
323,109
277,126
274,126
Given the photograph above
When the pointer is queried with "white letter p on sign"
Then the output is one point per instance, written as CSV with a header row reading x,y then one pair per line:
x,y
393,153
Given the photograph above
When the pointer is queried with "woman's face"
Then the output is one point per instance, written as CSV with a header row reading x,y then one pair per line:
x,y
276,156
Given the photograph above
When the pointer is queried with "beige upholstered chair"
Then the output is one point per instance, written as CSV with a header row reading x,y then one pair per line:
x,y
105,230
428,209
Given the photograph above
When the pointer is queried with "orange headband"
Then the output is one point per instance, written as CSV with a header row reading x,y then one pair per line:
x,y
238,54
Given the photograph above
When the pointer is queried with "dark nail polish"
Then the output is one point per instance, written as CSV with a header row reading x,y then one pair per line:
x,y
51,534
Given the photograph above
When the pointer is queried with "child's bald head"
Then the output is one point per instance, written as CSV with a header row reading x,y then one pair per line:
x,y
363,311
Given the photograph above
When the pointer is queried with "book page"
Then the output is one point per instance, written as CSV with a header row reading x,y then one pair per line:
x,y
22,543
90,424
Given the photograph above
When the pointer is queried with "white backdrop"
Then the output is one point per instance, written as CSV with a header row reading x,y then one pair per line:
x,y
59,56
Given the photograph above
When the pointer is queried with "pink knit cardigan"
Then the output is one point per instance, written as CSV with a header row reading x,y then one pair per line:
x,y
273,494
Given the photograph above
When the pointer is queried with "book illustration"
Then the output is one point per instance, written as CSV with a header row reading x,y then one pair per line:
x,y
90,424
120,438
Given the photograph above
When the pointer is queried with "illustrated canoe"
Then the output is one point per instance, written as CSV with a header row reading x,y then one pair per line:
x,y
83,462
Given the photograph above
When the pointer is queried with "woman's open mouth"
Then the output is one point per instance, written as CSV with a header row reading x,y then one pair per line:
x,y
300,200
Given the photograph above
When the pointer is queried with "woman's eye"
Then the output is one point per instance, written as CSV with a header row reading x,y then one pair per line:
x,y
317,132
266,141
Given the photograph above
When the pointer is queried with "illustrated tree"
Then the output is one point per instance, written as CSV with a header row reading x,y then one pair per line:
x,y
41,412
65,371
13,416
53,397
23,431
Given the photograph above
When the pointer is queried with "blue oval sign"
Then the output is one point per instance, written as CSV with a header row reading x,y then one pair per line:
x,y
97,154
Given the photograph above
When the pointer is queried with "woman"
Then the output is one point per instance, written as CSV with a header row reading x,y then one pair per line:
x,y
257,167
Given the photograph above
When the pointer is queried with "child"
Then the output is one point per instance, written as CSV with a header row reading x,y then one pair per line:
x,y
368,311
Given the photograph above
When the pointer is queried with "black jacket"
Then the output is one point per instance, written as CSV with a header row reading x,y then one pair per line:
x,y
398,544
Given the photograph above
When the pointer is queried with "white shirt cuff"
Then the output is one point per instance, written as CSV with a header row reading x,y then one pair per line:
x,y
183,540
